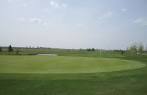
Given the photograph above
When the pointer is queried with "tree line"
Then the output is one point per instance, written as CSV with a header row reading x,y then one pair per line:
x,y
134,49
10,49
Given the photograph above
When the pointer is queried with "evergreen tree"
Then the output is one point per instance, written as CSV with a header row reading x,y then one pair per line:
x,y
10,49
93,49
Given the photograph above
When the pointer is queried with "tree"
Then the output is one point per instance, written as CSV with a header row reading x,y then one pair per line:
x,y
122,52
0,49
133,49
93,49
140,49
88,49
10,49
17,51
136,48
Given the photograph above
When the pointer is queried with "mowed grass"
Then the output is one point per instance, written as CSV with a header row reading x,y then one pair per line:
x,y
19,75
63,64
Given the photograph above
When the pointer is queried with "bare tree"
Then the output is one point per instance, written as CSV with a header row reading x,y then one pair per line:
x,y
133,49
140,49
136,48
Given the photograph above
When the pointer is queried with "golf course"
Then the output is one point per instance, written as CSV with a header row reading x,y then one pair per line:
x,y
73,47
64,64
72,75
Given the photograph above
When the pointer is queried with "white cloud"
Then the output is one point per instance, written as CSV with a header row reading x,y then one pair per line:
x,y
55,4
124,10
140,21
35,20
45,23
106,15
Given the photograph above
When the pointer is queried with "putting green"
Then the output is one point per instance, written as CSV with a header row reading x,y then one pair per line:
x,y
62,64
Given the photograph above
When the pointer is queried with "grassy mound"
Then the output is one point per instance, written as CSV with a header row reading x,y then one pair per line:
x,y
62,64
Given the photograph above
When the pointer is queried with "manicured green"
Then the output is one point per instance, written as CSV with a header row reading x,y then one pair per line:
x,y
19,76
63,64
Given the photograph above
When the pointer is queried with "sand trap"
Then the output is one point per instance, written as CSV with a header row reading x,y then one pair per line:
x,y
47,54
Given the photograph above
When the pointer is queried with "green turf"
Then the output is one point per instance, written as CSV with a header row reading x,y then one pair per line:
x,y
63,64
124,82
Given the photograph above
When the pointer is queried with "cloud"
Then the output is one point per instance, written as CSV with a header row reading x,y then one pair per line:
x,y
124,10
106,15
55,4
35,20
45,23
140,21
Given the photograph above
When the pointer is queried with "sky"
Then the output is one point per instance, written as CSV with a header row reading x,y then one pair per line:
x,y
102,24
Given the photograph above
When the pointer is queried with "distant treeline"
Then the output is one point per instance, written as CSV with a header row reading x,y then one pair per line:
x,y
135,49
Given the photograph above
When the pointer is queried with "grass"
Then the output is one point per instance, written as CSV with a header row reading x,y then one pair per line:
x,y
63,64
122,82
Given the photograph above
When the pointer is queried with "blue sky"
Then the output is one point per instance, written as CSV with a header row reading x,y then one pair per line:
x,y
103,24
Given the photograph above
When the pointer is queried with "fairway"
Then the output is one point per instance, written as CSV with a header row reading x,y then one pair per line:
x,y
62,64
